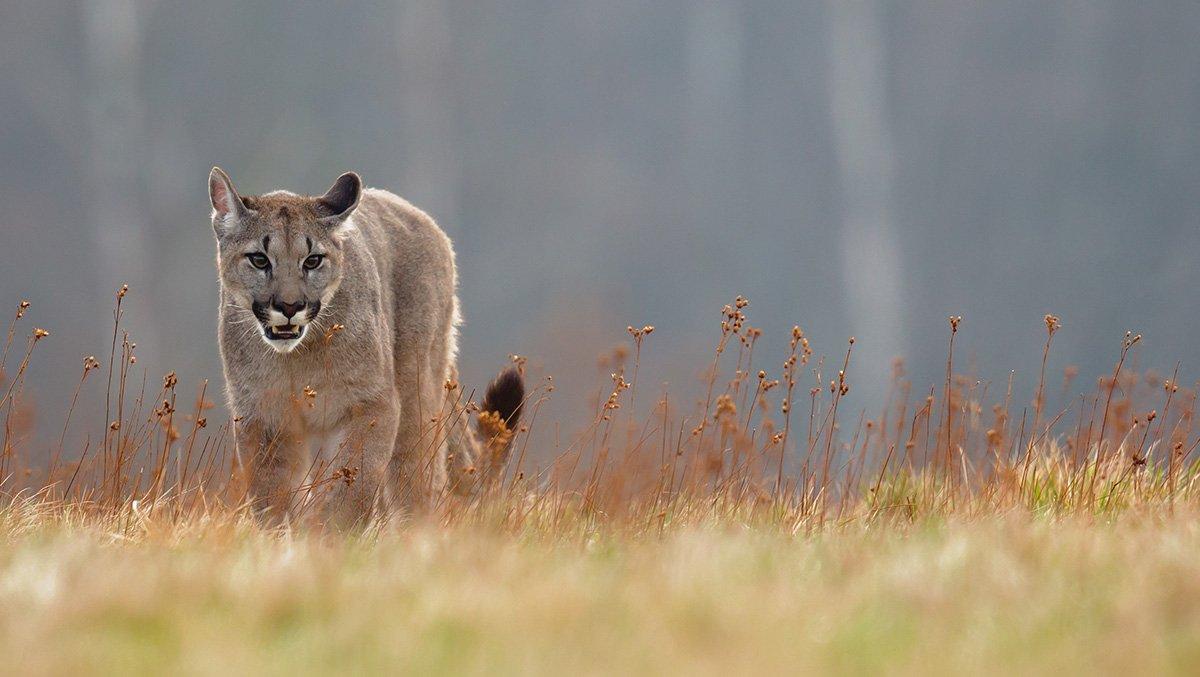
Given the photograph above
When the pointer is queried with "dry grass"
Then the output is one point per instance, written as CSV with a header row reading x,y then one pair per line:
x,y
760,531
216,594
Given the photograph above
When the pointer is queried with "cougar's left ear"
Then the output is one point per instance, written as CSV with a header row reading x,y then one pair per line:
x,y
341,199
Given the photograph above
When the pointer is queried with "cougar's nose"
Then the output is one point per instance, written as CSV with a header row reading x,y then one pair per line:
x,y
289,310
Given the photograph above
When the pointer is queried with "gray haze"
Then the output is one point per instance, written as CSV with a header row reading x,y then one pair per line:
x,y
857,168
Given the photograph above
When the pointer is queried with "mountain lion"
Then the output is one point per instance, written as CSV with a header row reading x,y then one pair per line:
x,y
338,335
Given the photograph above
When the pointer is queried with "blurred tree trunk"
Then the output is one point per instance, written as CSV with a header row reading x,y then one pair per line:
x,y
870,246
431,164
712,166
712,112
115,114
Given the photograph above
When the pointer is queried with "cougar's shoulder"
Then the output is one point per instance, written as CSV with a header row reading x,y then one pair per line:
x,y
415,235
416,258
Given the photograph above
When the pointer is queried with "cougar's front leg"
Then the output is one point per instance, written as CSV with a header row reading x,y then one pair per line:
x,y
273,460
360,464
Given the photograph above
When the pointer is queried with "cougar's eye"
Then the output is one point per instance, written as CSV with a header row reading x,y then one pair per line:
x,y
259,261
313,262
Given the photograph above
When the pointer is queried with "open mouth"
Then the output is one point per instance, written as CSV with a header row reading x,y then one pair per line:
x,y
283,332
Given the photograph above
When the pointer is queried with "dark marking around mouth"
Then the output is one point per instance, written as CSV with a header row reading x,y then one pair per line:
x,y
313,309
283,333
260,311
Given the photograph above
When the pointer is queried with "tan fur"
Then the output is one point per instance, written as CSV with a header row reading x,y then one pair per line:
x,y
361,397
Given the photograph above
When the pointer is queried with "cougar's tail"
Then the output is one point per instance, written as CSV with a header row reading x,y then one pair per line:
x,y
498,419
505,395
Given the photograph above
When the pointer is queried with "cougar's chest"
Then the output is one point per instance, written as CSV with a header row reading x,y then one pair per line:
x,y
326,447
296,400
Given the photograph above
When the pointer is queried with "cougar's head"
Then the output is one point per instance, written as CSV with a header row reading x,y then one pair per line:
x,y
280,255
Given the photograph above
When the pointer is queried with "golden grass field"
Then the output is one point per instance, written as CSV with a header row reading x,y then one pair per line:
x,y
765,531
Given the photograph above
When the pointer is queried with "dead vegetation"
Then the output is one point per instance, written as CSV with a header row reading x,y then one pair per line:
x,y
762,445
765,529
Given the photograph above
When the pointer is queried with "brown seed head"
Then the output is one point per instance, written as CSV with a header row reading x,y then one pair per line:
x,y
1052,324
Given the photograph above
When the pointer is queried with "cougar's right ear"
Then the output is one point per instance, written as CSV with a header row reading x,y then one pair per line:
x,y
228,208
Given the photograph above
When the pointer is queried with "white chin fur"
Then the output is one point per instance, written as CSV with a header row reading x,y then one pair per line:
x,y
284,345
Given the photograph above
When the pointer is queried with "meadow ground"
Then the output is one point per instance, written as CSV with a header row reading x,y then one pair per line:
x,y
997,595
756,534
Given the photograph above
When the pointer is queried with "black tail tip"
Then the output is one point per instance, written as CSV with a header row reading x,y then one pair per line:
x,y
505,395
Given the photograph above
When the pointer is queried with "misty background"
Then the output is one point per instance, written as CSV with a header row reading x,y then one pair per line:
x,y
858,168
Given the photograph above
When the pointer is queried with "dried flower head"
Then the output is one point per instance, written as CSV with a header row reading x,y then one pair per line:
x,y
725,407
495,430
637,334
165,410
346,474
1052,324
